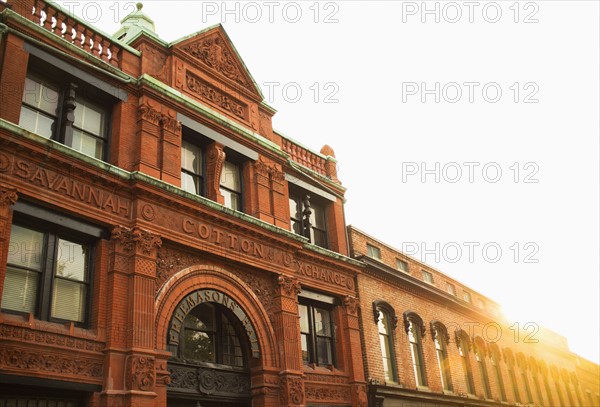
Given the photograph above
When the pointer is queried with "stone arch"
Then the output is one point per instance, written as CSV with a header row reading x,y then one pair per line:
x,y
199,277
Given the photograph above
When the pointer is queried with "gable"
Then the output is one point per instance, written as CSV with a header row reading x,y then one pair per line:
x,y
214,51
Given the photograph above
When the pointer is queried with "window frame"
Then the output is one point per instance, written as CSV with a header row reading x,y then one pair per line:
x,y
464,347
480,356
427,276
198,177
54,227
311,334
467,297
297,195
382,308
415,331
373,252
71,91
404,268
441,340
450,289
239,194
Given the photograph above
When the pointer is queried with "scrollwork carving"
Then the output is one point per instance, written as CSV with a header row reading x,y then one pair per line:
x,y
290,286
214,54
216,96
352,305
148,113
8,198
291,391
31,360
129,239
140,373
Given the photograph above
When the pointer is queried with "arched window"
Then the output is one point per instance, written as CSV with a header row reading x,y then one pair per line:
x,y
212,335
522,362
386,320
495,358
534,369
556,378
463,343
567,381
441,340
543,369
415,329
510,364
576,387
480,354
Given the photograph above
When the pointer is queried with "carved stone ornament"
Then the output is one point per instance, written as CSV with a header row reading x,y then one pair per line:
x,y
140,373
129,239
269,171
214,53
290,286
148,113
202,380
415,319
217,97
352,305
295,396
26,360
361,397
8,198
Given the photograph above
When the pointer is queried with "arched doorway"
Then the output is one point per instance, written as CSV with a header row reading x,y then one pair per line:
x,y
212,343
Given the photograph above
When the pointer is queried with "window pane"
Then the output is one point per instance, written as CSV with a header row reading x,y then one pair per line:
x,y
36,122
191,158
324,351
317,218
303,311
382,323
68,300
71,261
232,349
230,177
305,353
89,117
232,199
190,183
201,318
25,247
322,322
319,237
41,96
295,209
87,144
20,290
198,346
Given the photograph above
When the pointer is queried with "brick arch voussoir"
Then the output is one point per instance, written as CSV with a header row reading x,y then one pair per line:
x,y
200,277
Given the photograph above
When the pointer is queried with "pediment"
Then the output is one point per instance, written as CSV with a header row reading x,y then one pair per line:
x,y
213,50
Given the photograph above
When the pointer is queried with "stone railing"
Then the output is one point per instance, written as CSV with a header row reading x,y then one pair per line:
x,y
65,25
304,157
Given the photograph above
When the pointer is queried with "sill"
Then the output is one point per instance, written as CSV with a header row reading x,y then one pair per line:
x,y
448,392
424,388
316,368
472,396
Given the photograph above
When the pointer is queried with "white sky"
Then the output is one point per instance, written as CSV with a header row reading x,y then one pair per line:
x,y
368,61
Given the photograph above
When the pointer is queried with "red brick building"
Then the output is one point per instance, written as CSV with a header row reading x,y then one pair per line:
x,y
431,341
161,244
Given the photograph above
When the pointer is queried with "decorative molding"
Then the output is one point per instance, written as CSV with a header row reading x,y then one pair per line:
x,y
387,308
216,96
215,158
438,327
148,113
361,397
140,373
269,171
171,124
30,335
352,305
290,286
135,238
462,339
413,317
324,393
214,53
291,391
8,197
203,380
28,360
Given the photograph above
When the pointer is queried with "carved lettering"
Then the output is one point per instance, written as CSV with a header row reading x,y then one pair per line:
x,y
71,188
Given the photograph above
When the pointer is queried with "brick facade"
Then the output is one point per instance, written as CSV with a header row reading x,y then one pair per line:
x,y
161,244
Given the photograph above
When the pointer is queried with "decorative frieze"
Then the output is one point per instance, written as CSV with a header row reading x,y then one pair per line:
x,y
29,360
130,239
216,96
23,334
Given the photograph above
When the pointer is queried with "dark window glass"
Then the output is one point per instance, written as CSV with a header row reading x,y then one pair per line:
x,y
191,168
231,185
318,222
316,334
416,350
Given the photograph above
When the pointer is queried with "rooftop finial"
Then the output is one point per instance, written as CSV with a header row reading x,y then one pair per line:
x,y
139,6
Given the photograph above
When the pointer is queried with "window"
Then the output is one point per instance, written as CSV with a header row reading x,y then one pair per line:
x,y
450,289
495,360
462,341
373,252
523,368
480,303
510,363
544,373
415,330
231,185
387,345
402,265
212,334
307,216
316,333
192,168
48,270
440,337
427,277
480,358
467,296
61,111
